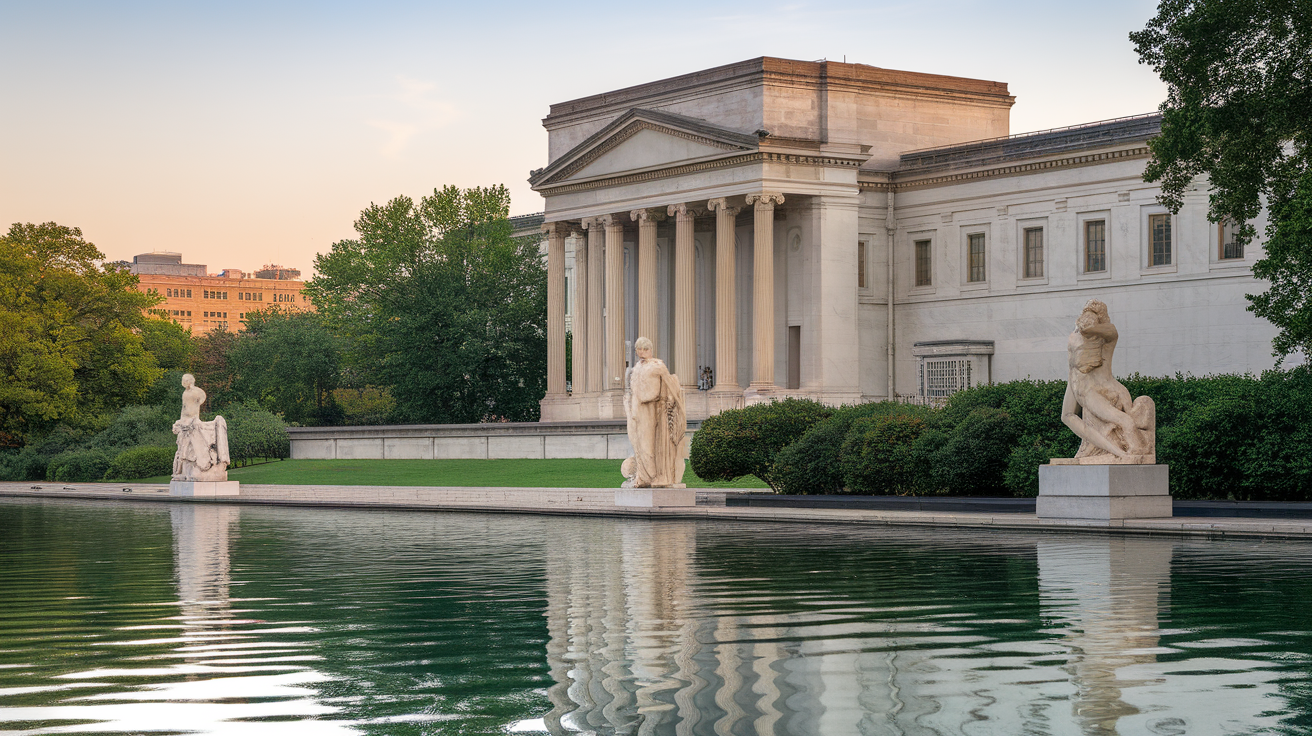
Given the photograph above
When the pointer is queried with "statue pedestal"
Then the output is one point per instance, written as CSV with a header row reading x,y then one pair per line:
x,y
656,497
203,488
1103,492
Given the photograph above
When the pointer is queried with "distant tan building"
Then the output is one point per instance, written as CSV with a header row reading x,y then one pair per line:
x,y
201,301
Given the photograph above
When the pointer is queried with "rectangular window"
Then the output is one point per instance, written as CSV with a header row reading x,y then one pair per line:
x,y
1159,230
861,265
975,257
1033,252
924,277
188,296
1230,250
1095,246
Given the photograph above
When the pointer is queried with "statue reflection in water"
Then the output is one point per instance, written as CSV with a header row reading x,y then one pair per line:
x,y
643,642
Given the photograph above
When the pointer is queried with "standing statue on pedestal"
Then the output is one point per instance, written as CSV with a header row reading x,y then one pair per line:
x,y
1097,407
202,446
657,424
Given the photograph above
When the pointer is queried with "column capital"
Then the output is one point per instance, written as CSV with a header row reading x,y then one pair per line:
x,y
722,204
587,222
612,220
684,210
643,216
558,229
765,200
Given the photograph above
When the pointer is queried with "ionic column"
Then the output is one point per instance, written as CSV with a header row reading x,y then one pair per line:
x,y
763,288
647,220
685,297
579,359
555,308
596,340
726,297
614,301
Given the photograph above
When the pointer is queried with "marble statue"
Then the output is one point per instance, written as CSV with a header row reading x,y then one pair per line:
x,y
657,424
202,446
1097,407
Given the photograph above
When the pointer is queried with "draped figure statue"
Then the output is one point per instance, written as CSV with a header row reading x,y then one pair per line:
x,y
202,446
657,424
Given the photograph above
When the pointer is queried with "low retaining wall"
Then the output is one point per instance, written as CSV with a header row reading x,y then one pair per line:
x,y
599,440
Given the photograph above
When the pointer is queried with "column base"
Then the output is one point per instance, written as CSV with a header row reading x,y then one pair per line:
x,y
723,398
759,393
559,408
1104,492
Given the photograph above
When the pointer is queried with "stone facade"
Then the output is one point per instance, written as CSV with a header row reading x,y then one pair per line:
x,y
201,301
756,218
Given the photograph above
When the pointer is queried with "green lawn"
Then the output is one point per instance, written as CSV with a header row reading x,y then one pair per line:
x,y
528,473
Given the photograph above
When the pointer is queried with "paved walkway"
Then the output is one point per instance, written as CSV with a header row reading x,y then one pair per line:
x,y
600,502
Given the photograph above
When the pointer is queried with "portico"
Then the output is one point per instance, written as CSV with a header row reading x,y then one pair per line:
x,y
717,214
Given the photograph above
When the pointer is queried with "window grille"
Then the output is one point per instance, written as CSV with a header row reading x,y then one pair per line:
x,y
1229,248
923,263
861,265
1033,252
942,377
975,257
1159,226
1095,246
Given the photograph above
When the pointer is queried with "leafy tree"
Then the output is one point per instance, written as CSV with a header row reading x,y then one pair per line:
x,y
69,347
289,363
210,366
169,342
441,306
1240,91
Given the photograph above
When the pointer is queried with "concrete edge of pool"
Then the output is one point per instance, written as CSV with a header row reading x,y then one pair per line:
x,y
600,502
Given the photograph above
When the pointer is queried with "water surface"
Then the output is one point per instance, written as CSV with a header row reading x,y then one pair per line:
x,y
126,618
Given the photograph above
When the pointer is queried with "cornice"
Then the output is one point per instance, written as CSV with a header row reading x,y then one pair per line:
x,y
745,159
1067,162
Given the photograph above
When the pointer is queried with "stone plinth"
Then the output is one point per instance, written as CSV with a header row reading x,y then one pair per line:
x,y
203,488
656,497
1103,492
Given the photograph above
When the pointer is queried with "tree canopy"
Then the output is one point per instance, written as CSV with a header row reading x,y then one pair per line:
x,y
288,362
70,349
442,305
1239,109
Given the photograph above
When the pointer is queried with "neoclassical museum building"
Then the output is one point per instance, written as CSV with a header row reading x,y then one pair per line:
x,y
849,233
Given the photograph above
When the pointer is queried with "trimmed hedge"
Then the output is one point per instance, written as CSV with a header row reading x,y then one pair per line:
x,y
1225,437
141,462
745,441
255,434
813,465
78,466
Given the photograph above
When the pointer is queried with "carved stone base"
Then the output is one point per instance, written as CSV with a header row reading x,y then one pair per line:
x,y
656,497
1103,492
1106,460
204,488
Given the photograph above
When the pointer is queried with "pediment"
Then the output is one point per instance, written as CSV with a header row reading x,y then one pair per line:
x,y
643,140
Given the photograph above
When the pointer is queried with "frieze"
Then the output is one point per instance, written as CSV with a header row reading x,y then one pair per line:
x,y
1062,163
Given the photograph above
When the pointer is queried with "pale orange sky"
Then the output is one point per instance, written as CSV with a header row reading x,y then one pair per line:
x,y
251,133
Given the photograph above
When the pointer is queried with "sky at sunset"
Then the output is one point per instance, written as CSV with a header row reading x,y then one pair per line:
x,y
244,133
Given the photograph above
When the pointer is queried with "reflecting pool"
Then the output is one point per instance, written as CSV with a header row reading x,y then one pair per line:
x,y
172,618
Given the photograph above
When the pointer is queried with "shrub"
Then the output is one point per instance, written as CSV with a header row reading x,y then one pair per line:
x,y
141,462
973,461
1022,475
812,464
78,466
255,433
24,464
136,426
746,441
878,455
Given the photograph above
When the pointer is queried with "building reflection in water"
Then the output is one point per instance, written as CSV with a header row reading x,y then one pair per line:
x,y
642,643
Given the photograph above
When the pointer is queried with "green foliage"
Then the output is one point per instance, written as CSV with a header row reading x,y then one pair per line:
x,y
364,405
288,362
69,350
879,455
1239,87
78,466
973,461
1022,475
255,434
441,305
745,441
168,342
135,426
210,365
141,462
812,464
